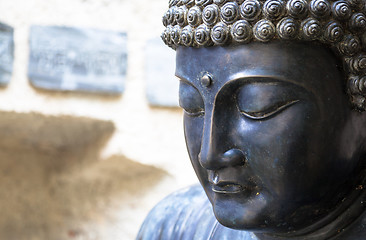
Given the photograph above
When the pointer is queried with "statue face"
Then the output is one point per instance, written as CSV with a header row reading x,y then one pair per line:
x,y
269,132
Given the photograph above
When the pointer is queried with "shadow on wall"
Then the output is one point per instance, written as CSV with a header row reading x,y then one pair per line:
x,y
52,178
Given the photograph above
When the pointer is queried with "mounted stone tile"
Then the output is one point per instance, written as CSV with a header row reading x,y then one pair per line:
x,y
162,87
77,59
6,53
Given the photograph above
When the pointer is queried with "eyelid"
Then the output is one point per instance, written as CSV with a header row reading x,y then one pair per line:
x,y
190,99
268,112
194,114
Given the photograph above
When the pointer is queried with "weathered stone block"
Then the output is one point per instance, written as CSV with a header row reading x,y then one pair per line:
x,y
77,59
6,53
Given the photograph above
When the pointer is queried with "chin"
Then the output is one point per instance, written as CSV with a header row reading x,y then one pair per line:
x,y
236,215
254,224
240,222
255,215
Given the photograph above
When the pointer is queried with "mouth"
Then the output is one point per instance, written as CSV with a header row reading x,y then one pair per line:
x,y
227,188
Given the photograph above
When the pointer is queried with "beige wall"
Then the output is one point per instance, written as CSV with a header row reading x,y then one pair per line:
x,y
145,135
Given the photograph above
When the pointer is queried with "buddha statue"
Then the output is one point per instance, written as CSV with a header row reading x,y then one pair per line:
x,y
273,94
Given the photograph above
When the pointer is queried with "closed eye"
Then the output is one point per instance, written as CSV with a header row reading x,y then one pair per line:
x,y
194,113
269,112
190,100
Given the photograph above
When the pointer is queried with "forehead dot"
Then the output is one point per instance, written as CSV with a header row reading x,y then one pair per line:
x,y
206,80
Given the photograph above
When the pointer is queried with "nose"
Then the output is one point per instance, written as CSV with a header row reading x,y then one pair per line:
x,y
231,158
217,146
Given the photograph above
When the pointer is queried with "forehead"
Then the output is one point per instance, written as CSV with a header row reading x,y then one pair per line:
x,y
308,65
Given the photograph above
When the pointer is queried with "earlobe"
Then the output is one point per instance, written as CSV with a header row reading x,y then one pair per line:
x,y
354,135
361,126
360,123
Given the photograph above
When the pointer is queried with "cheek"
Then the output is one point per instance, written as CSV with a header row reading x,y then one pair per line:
x,y
278,149
193,129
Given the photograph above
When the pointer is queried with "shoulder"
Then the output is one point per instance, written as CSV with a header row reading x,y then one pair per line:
x,y
355,231
180,209
181,200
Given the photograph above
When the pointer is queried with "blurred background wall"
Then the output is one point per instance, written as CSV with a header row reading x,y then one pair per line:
x,y
85,166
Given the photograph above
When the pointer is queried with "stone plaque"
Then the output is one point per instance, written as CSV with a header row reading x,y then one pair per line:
x,y
162,87
77,59
6,53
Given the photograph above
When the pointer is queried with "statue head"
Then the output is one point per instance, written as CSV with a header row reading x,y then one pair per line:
x,y
273,94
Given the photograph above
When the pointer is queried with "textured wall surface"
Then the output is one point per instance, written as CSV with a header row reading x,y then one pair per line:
x,y
85,166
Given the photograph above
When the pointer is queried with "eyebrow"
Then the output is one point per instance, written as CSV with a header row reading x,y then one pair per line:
x,y
266,79
252,79
241,76
238,77
182,78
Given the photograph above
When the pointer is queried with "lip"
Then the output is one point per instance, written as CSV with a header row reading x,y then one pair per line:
x,y
227,188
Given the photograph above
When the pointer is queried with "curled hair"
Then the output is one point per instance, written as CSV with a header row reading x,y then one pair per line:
x,y
341,24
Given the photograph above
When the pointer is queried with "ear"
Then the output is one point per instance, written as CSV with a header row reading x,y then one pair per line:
x,y
358,129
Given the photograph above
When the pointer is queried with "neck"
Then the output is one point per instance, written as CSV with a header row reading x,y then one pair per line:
x,y
334,224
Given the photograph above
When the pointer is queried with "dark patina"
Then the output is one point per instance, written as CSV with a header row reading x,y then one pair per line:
x,y
277,141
